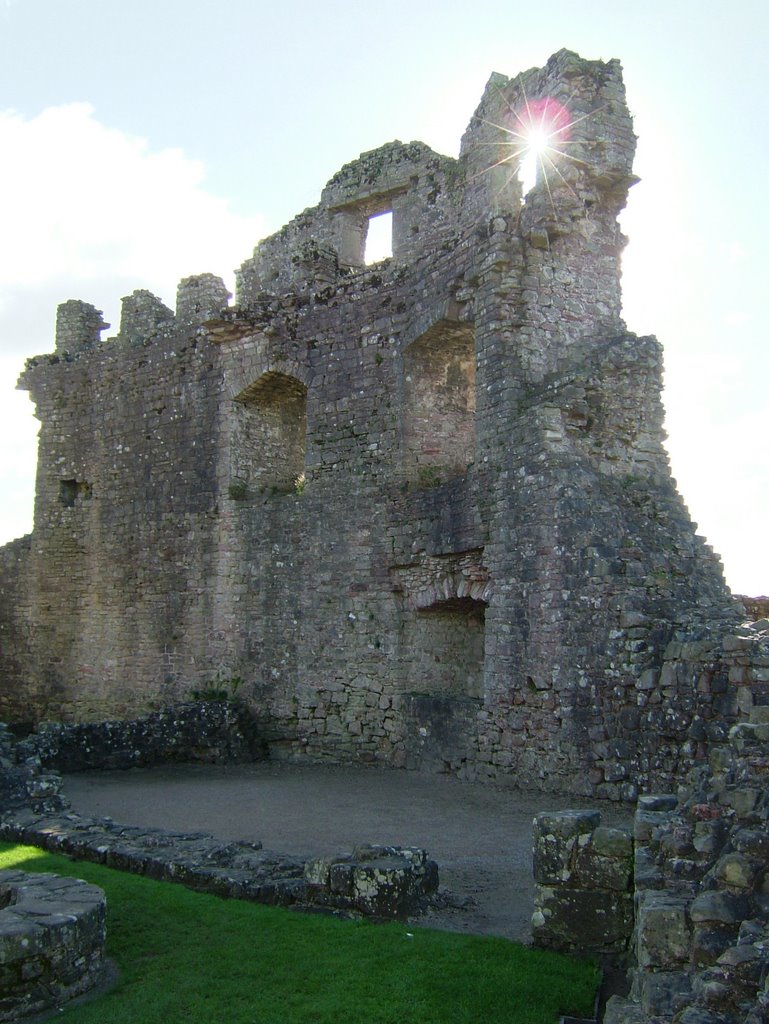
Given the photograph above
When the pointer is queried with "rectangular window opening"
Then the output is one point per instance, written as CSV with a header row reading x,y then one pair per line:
x,y
379,238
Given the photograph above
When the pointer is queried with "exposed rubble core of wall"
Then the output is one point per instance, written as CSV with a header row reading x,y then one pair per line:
x,y
697,929
421,509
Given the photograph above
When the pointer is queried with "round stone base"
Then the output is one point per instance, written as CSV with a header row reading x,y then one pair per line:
x,y
52,935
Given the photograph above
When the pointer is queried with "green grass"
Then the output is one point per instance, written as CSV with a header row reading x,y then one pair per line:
x,y
190,957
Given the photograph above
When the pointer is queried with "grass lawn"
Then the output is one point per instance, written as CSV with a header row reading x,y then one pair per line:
x,y
189,957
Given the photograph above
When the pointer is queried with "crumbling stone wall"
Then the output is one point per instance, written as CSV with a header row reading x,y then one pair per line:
x,y
584,884
375,880
701,940
421,508
685,900
207,732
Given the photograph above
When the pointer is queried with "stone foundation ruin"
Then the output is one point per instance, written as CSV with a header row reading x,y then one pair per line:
x,y
52,937
417,513
376,881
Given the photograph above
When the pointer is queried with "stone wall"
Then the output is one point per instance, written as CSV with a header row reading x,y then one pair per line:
x,y
208,732
696,933
421,509
701,940
584,884
376,881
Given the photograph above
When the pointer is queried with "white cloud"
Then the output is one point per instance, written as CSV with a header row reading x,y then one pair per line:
x,y
90,212
79,198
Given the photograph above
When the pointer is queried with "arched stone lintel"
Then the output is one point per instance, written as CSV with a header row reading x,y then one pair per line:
x,y
288,374
449,589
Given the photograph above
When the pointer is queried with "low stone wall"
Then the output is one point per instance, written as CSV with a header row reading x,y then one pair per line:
x,y
52,936
379,881
212,732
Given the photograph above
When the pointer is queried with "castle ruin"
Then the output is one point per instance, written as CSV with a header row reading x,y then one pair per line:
x,y
420,510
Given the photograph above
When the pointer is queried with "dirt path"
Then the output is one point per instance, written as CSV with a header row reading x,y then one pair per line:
x,y
479,834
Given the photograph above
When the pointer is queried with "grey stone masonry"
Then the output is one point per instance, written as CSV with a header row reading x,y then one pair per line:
x,y
382,882
701,940
377,881
584,879
207,731
52,938
420,510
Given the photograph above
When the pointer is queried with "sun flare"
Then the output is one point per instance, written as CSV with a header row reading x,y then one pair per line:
x,y
537,137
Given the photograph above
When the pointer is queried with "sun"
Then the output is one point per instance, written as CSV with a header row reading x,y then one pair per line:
x,y
536,144
537,137
541,131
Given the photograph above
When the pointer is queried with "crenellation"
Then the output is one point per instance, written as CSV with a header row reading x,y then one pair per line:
x,y
78,326
200,298
144,317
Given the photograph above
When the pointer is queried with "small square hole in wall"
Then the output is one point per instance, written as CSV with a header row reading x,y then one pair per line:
x,y
71,490
379,238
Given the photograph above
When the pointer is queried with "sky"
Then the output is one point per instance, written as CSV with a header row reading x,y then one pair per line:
x,y
144,142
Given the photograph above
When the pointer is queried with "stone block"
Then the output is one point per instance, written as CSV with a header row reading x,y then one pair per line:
x,y
578,920
710,940
662,993
720,908
620,1010
663,934
591,870
736,871
556,837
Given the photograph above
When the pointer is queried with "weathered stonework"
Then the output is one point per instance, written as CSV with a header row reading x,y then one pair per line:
x,y
584,876
701,941
376,881
208,732
421,509
52,937
699,951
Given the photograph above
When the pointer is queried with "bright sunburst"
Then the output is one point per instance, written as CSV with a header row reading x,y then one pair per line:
x,y
539,134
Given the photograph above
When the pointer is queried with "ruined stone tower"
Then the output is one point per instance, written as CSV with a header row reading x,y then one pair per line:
x,y
421,509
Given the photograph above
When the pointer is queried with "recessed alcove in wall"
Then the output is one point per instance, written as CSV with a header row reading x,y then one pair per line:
x,y
446,643
269,435
438,427
72,491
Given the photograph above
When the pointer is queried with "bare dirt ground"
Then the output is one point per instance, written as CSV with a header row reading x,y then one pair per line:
x,y
479,834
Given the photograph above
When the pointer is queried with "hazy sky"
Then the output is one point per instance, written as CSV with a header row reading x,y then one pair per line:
x,y
142,142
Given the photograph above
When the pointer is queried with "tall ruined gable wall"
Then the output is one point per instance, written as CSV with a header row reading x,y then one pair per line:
x,y
420,512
